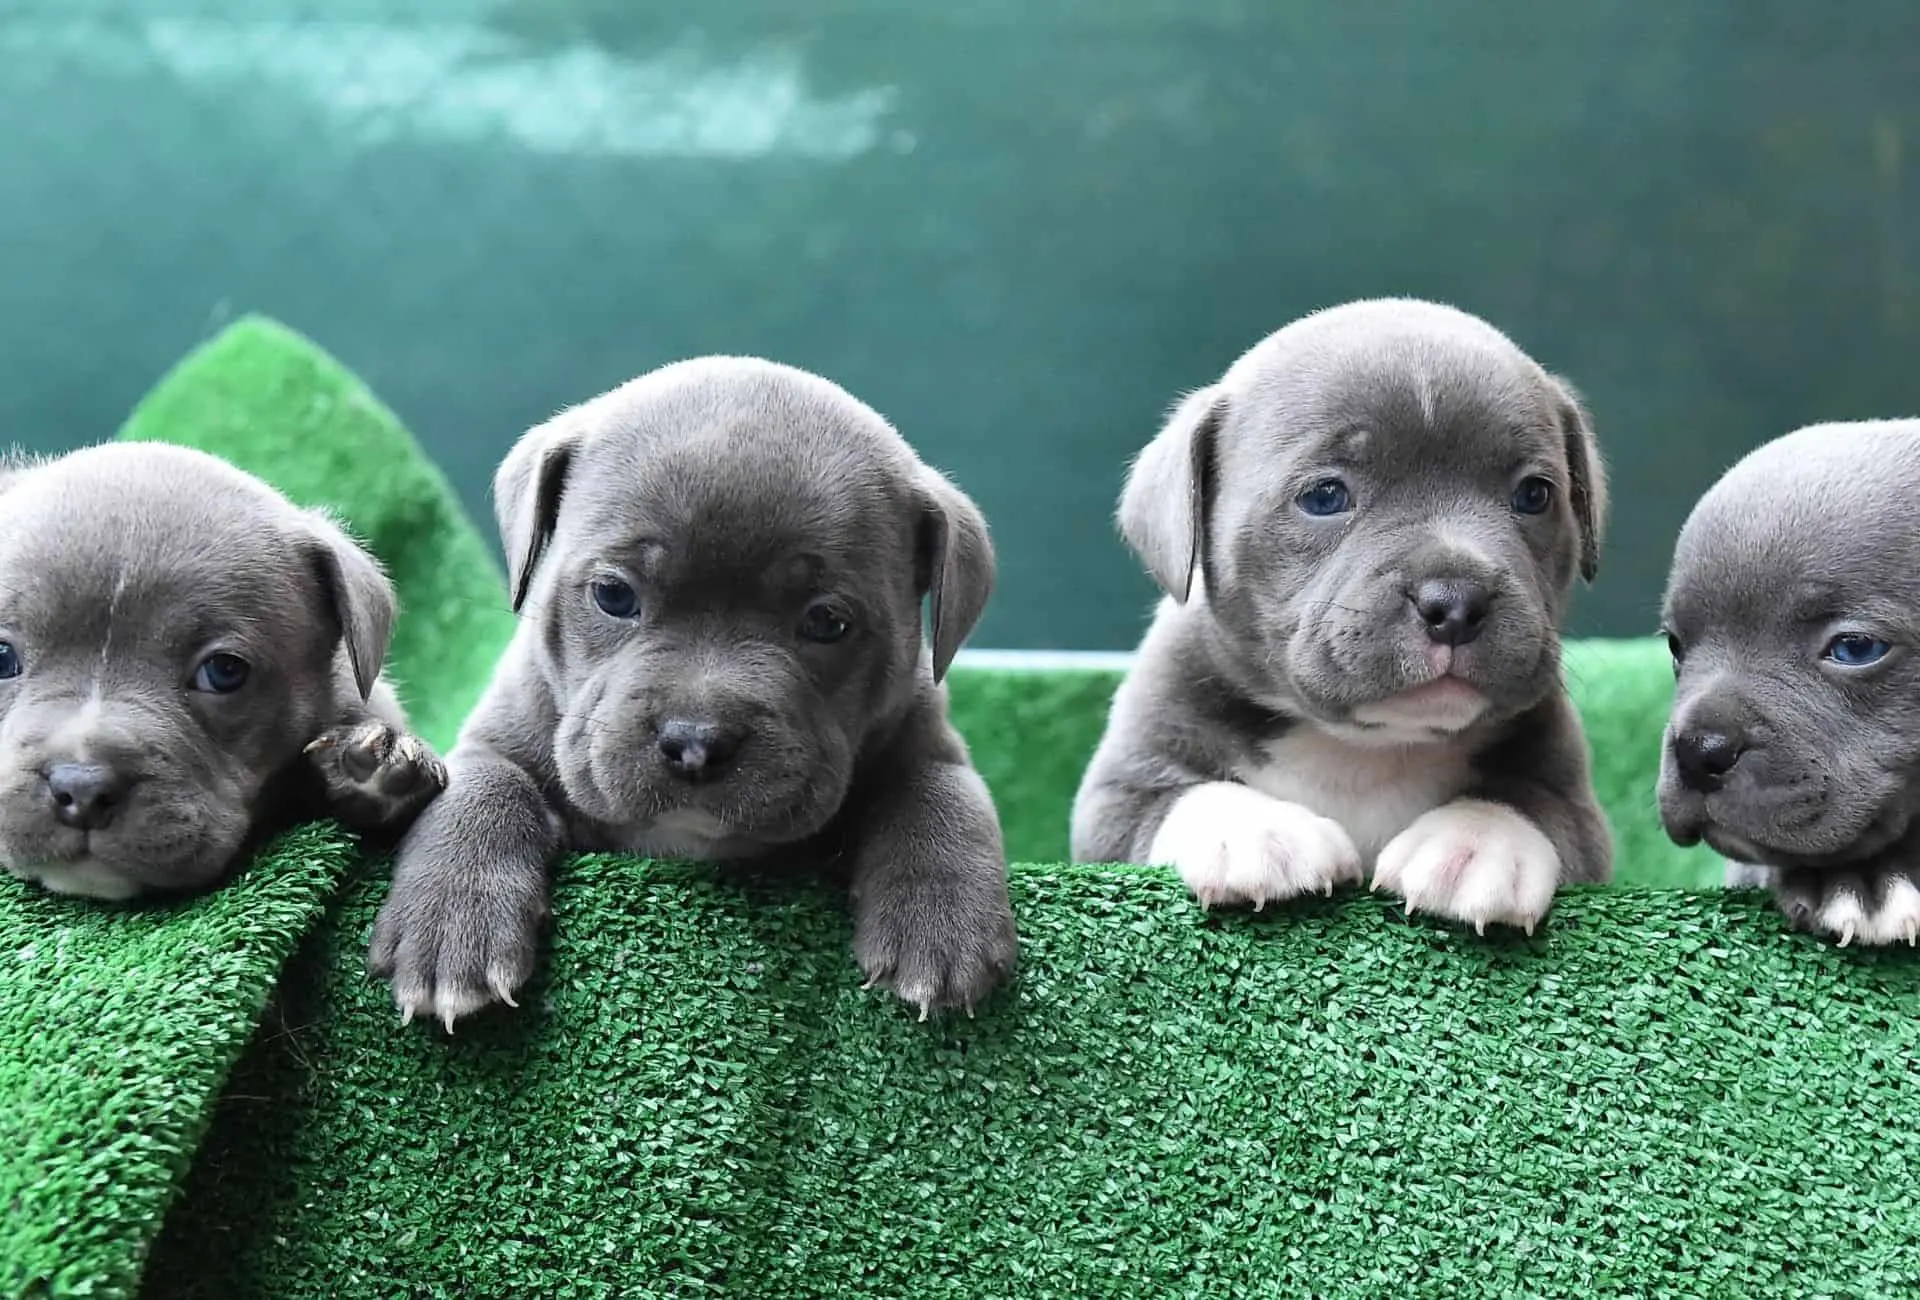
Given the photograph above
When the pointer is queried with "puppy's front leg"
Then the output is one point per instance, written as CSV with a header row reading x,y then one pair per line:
x,y
460,927
1527,825
932,919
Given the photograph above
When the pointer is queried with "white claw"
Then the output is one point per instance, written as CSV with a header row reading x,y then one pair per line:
x,y
317,744
1328,889
1846,934
502,992
871,981
406,1015
446,1018
1530,925
924,1008
969,1010
1259,904
1480,926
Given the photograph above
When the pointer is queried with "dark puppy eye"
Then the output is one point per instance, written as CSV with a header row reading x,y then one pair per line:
x,y
1856,650
1327,497
9,660
221,674
823,624
615,598
1533,496
1678,651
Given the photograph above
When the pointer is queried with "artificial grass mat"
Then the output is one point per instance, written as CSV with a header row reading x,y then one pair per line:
x,y
1661,1093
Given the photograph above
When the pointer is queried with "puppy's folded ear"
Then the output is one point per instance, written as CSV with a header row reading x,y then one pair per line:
x,y
526,497
361,597
1587,493
955,564
1163,511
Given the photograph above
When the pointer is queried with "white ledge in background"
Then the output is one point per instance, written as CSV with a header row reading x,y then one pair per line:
x,y
1041,660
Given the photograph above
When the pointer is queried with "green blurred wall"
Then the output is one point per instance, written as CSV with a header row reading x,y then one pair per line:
x,y
1017,229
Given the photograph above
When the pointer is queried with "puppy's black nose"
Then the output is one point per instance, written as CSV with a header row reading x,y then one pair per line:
x,y
1704,758
85,795
1454,609
697,750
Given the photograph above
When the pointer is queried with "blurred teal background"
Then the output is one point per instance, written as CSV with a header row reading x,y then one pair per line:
x,y
1019,229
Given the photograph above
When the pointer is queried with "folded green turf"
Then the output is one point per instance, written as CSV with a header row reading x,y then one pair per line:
x,y
119,1026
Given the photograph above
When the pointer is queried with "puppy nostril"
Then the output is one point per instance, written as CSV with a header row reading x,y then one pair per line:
x,y
1705,758
85,795
696,749
1454,610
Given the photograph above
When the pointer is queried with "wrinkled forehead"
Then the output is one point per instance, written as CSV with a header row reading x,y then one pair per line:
x,y
145,577
1406,406
1782,559
733,511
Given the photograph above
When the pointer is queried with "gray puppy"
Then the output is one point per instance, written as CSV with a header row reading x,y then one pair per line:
x,y
1368,531
720,568
1793,613
188,663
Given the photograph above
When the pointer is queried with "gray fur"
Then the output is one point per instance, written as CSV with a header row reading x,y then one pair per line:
x,y
1809,537
1281,633
731,495
123,568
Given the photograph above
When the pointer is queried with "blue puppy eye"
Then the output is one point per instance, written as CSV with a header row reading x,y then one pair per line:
x,y
9,660
1533,496
1327,497
615,598
822,624
221,674
1856,649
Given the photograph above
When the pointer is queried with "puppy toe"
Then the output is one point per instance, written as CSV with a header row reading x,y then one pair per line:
x,y
1871,909
1234,845
1473,861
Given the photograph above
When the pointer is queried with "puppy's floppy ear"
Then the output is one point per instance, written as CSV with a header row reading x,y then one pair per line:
x,y
1587,492
526,496
359,593
954,566
1163,511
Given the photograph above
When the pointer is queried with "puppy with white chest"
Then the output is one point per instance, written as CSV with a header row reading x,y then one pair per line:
x,y
721,568
188,663
1793,614
1368,532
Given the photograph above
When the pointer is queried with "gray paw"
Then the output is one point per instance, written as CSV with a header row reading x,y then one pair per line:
x,y
939,954
1871,907
374,774
453,941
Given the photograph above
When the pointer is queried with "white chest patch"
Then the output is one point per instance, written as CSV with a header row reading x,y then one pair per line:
x,y
1374,791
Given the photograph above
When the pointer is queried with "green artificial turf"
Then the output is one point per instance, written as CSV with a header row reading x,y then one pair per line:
x,y
119,1025
1662,1093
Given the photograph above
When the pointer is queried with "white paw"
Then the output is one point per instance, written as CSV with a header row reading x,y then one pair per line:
x,y
1235,845
1866,909
1474,861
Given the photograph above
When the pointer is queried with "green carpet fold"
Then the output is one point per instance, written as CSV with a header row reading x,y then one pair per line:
x,y
118,1026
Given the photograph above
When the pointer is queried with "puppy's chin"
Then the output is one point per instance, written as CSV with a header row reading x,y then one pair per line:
x,y
1441,707
80,878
